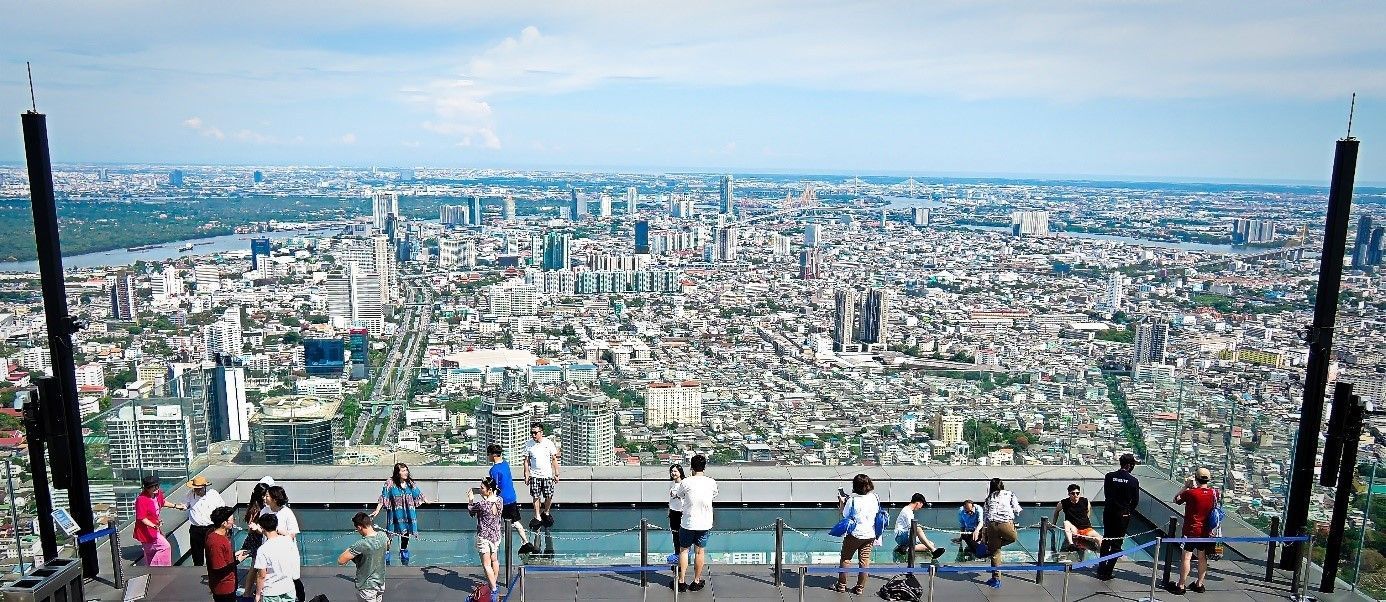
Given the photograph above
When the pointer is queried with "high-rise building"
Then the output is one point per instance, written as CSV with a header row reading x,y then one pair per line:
x,y
948,429
875,319
727,194
632,200
589,429
207,277
1149,346
512,298
295,429
1362,244
123,298
577,206
642,237
919,216
1029,223
810,264
845,320
258,176
1252,231
324,357
813,235
383,205
353,299
1376,246
474,210
557,254
454,215
885,219
228,412
779,245
679,402
604,205
149,437
508,212
175,178
504,420
358,340
224,335
727,244
469,254
861,321
1114,296
536,249
259,252
680,206
166,284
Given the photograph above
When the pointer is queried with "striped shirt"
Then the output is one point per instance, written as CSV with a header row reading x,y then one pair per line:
x,y
402,502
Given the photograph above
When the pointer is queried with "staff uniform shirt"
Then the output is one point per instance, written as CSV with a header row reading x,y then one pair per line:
x,y
1123,492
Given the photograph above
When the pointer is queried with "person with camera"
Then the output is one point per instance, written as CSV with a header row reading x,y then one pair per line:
x,y
1198,499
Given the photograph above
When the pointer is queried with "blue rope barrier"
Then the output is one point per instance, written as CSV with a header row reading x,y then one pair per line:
x,y
510,587
1297,538
1005,568
538,568
1101,559
93,536
875,570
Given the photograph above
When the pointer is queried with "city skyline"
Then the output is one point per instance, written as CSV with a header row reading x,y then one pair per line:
x,y
1155,92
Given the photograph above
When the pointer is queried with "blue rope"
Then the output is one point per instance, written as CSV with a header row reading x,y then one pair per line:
x,y
90,537
510,587
1294,539
1096,561
532,568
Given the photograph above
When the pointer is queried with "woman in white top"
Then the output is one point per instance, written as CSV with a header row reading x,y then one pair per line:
x,y
676,476
1001,508
861,506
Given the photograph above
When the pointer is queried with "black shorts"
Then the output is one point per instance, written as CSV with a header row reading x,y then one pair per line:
x,y
511,512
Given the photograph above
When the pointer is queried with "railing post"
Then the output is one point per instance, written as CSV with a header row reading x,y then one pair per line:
x,y
1270,549
909,550
1155,566
933,572
644,550
508,545
1172,532
1043,545
522,583
1068,570
803,574
677,579
1295,576
779,551
115,559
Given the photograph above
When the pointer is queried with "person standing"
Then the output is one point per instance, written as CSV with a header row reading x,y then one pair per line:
x,y
157,551
541,475
861,508
201,501
1077,513
254,537
970,521
487,510
276,564
1198,499
505,480
402,497
277,505
1123,492
221,561
905,541
696,493
369,555
676,476
1001,509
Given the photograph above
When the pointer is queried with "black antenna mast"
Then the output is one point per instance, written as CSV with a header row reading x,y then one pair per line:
x,y
1351,109
34,103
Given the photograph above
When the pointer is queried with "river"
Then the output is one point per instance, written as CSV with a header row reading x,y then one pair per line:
x,y
202,246
1140,242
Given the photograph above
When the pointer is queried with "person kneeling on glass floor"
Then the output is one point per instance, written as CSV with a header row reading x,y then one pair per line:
x,y
903,536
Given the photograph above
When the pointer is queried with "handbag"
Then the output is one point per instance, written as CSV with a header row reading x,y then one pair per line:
x,y
1216,515
848,522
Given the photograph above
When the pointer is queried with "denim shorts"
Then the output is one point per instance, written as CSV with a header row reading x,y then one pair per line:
x,y
689,538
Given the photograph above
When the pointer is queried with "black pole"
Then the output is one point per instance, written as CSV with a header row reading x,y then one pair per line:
x,y
1169,550
1320,338
43,500
60,328
1270,550
1347,472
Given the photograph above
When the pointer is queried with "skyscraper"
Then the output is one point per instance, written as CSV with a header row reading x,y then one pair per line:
x,y
589,429
1251,231
845,325
324,357
504,419
813,235
123,298
727,244
1029,223
642,237
228,413
149,438
469,254
295,429
577,207
810,264
861,321
1377,246
875,319
632,199
383,205
474,210
508,213
920,216
604,205
556,251
885,219
536,249
454,215
728,196
353,299
259,247
679,402
1149,346
175,178
1362,244
1115,294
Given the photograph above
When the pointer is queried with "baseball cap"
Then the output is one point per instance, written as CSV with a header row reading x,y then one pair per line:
x,y
1203,473
268,480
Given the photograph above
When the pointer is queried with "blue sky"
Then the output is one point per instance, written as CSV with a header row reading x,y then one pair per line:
x,y
1150,89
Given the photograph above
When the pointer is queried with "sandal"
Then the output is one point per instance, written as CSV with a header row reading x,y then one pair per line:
x,y
839,587
857,589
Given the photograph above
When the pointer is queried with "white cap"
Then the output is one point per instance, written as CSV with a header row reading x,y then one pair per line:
x,y
268,480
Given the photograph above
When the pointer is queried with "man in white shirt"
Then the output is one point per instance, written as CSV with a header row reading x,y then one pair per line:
x,y
201,501
277,562
697,493
903,521
541,474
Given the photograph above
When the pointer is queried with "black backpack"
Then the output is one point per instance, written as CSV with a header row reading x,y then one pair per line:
x,y
903,588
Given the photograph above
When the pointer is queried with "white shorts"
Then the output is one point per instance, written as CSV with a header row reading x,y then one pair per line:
x,y
486,546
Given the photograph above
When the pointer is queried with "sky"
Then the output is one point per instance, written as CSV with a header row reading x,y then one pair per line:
x,y
1168,89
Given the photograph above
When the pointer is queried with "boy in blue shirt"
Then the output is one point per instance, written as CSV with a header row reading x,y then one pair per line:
x,y
505,481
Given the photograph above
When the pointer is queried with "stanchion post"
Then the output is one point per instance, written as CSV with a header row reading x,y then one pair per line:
x,y
779,551
1270,549
522,583
677,581
1155,566
1172,532
933,573
1068,570
909,551
115,559
644,550
1043,544
803,574
508,545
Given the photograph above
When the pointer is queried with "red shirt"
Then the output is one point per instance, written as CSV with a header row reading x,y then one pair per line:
x,y
221,564
147,507
1197,503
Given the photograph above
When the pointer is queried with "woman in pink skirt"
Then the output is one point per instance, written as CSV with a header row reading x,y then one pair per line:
x,y
157,552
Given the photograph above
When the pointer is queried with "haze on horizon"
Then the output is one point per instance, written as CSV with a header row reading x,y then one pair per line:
x,y
1152,90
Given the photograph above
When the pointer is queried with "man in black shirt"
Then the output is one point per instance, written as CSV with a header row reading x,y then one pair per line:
x,y
1123,493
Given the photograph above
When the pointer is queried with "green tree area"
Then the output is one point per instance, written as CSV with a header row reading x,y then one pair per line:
x,y
1124,335
1130,429
463,405
627,397
984,436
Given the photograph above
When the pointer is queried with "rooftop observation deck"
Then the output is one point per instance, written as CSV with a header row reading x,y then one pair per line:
x,y
767,491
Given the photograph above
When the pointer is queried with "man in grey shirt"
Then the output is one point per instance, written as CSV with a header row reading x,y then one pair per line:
x,y
369,555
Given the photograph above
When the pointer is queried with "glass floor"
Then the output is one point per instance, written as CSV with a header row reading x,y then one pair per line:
x,y
612,536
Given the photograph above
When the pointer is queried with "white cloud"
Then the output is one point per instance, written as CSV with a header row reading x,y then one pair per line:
x,y
195,124
347,138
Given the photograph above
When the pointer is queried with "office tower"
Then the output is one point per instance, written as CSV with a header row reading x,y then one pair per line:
x,y
474,210
556,251
358,344
1377,246
536,249
454,215
166,284
149,438
589,430
1252,231
227,409
885,219
632,200
861,321
383,205
1115,294
728,196
779,245
508,213
678,402
324,357
207,277
123,297
577,207
175,178
642,237
726,244
810,264
1029,223
919,216
680,207
845,324
295,429
259,248
875,320
469,254
503,419
948,429
512,298
1361,245
353,299
1149,346
604,205
813,235
258,176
